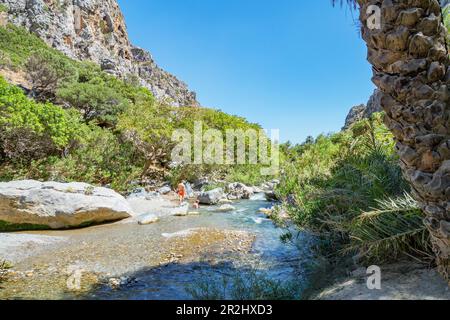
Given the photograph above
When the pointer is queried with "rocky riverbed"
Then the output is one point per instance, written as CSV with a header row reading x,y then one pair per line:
x,y
126,260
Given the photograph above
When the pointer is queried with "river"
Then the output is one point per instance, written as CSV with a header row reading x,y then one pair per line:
x,y
165,260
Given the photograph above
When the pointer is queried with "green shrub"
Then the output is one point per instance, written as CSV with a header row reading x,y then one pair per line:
x,y
17,45
48,71
95,101
44,119
99,158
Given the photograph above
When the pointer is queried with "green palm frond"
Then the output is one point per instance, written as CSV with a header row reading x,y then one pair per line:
x,y
392,229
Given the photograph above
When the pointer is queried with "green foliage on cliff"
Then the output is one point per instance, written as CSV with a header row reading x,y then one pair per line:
x,y
349,189
17,45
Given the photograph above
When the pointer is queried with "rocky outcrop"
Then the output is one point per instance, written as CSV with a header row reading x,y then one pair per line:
x,y
237,191
362,111
95,30
211,197
31,204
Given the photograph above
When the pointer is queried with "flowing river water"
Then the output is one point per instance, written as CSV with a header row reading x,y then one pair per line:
x,y
157,261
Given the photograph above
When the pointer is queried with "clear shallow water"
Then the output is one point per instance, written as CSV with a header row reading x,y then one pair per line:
x,y
139,254
273,258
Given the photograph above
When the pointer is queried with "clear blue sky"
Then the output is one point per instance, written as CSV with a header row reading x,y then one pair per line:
x,y
293,65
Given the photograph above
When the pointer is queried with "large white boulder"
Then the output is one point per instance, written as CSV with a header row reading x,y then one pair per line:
x,y
31,204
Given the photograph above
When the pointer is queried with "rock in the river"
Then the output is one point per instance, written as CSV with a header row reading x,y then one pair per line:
x,y
237,191
181,211
165,190
266,211
271,196
148,219
211,197
226,208
31,204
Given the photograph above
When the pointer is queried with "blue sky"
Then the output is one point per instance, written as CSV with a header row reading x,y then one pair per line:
x,y
293,65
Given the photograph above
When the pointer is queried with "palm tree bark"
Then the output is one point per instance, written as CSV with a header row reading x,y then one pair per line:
x,y
410,62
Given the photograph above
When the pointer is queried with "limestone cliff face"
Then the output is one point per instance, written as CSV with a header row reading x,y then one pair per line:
x,y
362,111
95,30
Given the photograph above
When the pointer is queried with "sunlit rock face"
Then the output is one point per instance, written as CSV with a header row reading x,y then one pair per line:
x,y
95,30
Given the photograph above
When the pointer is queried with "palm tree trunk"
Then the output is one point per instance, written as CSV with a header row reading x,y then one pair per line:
x,y
410,62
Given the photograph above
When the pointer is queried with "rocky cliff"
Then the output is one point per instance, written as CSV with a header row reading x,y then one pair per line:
x,y
95,30
363,111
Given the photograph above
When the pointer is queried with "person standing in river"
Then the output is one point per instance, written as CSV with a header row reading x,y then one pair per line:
x,y
181,192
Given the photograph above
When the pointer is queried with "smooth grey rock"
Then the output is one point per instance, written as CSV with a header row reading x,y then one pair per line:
x,y
225,201
237,191
165,190
211,197
226,208
181,211
147,219
56,205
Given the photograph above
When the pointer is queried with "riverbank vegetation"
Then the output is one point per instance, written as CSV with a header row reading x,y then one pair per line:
x,y
348,189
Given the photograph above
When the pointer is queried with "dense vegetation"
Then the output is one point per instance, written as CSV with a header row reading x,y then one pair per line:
x,y
348,189
81,124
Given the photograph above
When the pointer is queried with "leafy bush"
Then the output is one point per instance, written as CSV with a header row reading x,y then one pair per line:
x,y
24,145
17,45
18,111
95,101
48,71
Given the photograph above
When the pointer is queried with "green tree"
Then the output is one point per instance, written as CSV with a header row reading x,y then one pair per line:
x,y
96,101
48,71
